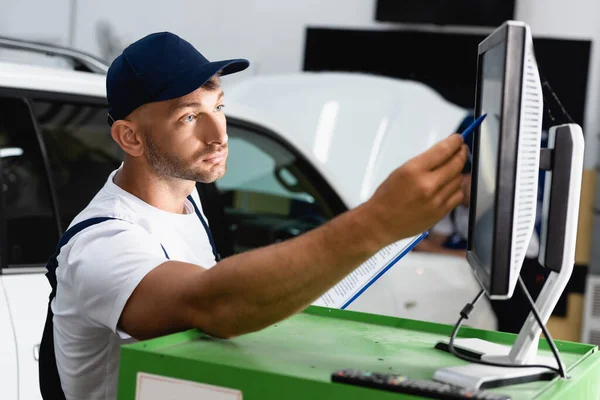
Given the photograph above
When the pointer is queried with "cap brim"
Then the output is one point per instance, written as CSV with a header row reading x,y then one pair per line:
x,y
189,82
232,66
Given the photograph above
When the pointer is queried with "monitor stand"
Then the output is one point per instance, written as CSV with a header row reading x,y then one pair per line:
x,y
564,161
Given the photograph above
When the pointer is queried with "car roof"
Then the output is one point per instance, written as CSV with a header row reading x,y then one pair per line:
x,y
355,128
51,79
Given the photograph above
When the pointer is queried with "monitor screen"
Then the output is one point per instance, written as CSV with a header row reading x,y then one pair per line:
x,y
491,94
505,158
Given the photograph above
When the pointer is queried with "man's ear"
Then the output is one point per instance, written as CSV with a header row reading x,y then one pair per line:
x,y
126,134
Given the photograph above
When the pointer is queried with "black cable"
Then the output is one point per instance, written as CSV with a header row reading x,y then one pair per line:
x,y
464,314
561,366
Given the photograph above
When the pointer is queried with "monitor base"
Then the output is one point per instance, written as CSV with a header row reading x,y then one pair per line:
x,y
484,376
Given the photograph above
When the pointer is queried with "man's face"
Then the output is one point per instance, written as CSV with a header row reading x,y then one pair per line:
x,y
185,138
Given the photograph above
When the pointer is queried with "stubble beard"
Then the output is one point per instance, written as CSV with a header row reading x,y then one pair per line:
x,y
171,167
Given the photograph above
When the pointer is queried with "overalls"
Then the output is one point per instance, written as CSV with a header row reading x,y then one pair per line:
x,y
50,385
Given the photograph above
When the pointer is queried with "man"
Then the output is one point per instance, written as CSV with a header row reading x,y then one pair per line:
x,y
152,268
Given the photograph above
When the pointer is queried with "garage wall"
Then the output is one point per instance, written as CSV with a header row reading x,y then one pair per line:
x,y
36,19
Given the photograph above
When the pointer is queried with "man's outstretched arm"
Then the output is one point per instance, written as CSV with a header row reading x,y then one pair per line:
x,y
252,290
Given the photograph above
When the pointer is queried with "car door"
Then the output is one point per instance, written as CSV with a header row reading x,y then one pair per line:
x,y
29,230
270,192
62,154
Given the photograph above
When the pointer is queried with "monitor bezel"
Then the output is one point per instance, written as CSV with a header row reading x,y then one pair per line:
x,y
496,283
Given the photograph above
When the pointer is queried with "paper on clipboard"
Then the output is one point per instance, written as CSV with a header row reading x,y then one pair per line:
x,y
353,285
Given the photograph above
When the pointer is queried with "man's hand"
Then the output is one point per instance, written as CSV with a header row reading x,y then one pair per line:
x,y
419,193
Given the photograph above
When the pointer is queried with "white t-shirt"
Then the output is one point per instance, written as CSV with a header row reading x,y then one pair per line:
x,y
459,224
99,268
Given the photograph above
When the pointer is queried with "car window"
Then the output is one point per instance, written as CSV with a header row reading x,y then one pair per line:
x,y
29,222
270,194
81,151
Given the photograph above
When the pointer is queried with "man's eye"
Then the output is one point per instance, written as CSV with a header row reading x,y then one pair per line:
x,y
190,118
220,107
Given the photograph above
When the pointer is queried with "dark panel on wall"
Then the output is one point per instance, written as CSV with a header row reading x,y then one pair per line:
x,y
446,12
445,61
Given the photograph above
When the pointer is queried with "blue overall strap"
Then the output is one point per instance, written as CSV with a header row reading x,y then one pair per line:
x,y
65,238
68,235
49,380
206,228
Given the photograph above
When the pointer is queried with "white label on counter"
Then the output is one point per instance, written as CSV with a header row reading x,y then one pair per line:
x,y
156,387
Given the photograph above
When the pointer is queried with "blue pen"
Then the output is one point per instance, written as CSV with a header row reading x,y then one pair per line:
x,y
473,126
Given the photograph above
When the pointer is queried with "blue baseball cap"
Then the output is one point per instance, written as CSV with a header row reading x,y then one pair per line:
x,y
158,67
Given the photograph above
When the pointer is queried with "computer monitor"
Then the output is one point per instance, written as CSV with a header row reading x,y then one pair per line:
x,y
506,152
506,162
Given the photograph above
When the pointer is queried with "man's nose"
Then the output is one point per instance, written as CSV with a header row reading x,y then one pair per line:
x,y
215,130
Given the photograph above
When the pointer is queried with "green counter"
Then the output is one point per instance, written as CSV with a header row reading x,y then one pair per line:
x,y
294,359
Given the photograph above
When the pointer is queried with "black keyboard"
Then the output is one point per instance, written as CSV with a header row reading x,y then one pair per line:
x,y
401,384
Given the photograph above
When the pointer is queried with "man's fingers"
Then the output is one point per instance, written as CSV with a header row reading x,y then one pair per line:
x,y
449,190
452,167
440,153
454,201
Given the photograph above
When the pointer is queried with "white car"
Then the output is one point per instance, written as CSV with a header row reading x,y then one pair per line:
x,y
303,148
